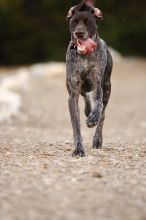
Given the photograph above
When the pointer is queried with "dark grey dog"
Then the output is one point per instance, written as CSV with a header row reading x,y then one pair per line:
x,y
89,67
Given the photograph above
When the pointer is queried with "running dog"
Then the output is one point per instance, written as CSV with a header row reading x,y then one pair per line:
x,y
88,66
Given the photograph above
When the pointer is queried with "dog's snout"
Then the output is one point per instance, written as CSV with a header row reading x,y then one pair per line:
x,y
79,33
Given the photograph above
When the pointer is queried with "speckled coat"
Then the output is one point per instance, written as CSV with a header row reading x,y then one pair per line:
x,y
88,75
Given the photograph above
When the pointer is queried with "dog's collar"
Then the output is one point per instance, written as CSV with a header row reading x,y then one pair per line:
x,y
73,44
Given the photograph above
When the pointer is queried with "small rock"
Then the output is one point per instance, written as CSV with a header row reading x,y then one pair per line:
x,y
45,166
67,142
67,149
97,175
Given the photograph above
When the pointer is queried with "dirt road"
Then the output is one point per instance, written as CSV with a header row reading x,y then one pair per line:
x,y
39,180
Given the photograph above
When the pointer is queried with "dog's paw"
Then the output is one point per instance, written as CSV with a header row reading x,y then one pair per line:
x,y
91,121
79,153
97,144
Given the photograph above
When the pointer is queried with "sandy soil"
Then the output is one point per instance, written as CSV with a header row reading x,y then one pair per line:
x,y
39,180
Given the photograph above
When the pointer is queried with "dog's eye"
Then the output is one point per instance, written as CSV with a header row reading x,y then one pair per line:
x,y
75,21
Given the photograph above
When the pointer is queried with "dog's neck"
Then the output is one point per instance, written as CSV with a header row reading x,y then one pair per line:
x,y
95,38
73,43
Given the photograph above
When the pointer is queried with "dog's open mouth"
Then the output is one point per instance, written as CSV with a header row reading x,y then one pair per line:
x,y
86,46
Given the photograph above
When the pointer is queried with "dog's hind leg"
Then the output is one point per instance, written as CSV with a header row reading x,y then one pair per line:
x,y
97,140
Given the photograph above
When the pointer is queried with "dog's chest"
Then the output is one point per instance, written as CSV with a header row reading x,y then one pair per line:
x,y
88,69
86,64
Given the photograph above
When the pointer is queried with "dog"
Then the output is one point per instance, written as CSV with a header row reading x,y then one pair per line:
x,y
88,67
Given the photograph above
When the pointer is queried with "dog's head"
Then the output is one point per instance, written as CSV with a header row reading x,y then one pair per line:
x,y
83,19
83,23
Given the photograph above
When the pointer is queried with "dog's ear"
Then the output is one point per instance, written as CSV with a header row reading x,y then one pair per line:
x,y
70,13
97,13
76,8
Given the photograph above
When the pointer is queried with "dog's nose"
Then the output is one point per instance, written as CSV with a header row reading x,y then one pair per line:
x,y
79,33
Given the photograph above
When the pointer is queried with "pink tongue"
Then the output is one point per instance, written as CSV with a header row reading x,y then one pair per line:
x,y
86,46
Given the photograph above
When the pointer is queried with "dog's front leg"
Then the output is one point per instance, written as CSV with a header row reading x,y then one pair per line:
x,y
75,119
96,114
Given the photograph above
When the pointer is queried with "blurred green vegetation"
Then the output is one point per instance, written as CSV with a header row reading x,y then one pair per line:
x,y
36,31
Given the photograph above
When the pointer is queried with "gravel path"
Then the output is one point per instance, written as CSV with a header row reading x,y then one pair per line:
x,y
39,180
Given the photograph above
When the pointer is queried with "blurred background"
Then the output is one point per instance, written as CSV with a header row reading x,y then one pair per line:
x,y
35,31
38,177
